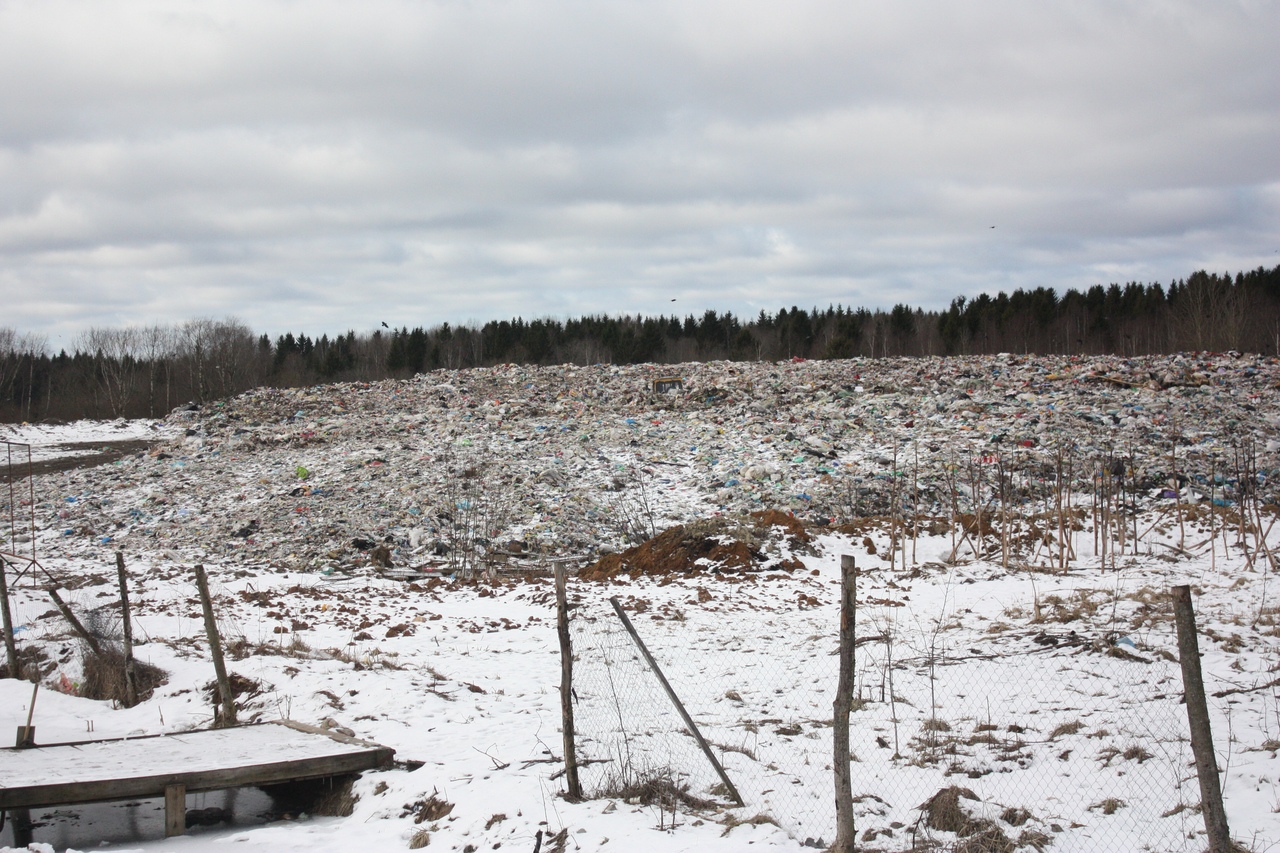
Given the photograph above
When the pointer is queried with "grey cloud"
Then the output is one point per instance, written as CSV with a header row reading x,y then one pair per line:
x,y
315,164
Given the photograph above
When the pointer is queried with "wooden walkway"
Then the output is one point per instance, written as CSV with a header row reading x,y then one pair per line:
x,y
177,764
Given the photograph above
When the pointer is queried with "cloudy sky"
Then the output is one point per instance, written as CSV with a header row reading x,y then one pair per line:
x,y
322,166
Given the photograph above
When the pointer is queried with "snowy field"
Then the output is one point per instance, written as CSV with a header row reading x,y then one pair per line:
x,y
81,438
1052,697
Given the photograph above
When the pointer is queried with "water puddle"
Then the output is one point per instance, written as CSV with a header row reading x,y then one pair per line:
x,y
98,824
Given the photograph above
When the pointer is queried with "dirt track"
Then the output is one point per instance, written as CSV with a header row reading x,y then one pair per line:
x,y
102,453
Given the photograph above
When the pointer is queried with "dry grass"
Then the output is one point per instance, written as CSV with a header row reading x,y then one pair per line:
x,y
429,809
104,676
1155,607
242,689
943,812
338,800
1081,604
1109,806
32,661
660,790
727,747
731,820
1071,728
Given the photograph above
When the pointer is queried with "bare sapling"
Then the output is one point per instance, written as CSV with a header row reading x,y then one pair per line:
x,y
1177,496
1059,492
1004,510
130,671
895,508
889,633
1133,497
948,478
1213,543
915,499
1063,471
1093,510
1122,526
1067,482
1255,504
975,479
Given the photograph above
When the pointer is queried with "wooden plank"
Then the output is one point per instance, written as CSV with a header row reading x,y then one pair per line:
x,y
106,770
102,790
288,724
175,810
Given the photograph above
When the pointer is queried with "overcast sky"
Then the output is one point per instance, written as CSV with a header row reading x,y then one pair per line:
x,y
323,166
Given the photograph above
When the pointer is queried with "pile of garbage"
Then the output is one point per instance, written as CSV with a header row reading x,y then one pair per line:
x,y
449,468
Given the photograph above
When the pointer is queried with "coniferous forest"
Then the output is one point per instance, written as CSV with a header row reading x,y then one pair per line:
x,y
137,371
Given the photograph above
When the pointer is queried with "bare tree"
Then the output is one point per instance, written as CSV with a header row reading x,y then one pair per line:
x,y
234,353
1211,312
18,350
220,356
115,368
156,348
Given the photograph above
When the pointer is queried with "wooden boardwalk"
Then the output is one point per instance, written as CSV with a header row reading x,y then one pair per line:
x,y
177,764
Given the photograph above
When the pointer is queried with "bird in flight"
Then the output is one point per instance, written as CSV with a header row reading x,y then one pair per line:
x,y
384,325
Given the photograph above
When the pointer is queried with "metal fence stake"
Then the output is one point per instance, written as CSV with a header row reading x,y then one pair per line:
x,y
675,700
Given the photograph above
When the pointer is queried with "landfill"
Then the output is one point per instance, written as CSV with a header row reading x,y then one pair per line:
x,y
379,556
520,464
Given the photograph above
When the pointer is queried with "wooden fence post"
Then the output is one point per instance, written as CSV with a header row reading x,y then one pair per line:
x,y
130,676
89,639
175,810
1215,816
845,830
227,715
10,649
566,686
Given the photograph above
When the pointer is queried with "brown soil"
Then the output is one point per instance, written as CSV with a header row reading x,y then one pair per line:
x,y
677,549
718,545
776,518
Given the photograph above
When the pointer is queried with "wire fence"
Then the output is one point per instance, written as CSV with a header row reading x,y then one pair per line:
x,y
1012,741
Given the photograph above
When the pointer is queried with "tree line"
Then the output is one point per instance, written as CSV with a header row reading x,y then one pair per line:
x,y
147,371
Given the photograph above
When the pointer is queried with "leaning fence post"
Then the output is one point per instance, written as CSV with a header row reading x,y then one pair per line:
x,y
90,640
566,686
675,700
1215,816
845,832
227,716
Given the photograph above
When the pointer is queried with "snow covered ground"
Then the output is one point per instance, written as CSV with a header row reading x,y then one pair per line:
x,y
1053,697
81,438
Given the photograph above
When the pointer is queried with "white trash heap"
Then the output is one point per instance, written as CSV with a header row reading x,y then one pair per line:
x,y
567,460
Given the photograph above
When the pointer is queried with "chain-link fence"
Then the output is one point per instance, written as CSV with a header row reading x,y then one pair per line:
x,y
1016,740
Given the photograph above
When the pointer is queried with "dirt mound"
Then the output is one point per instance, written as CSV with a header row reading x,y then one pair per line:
x,y
716,545
776,518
